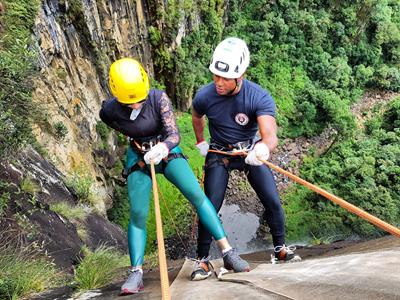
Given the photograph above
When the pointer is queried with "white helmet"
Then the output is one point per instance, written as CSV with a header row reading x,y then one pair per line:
x,y
230,59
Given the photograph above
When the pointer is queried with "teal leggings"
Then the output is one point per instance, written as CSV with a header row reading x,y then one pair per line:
x,y
181,175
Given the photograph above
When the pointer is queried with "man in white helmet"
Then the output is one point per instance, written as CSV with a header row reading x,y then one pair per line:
x,y
236,109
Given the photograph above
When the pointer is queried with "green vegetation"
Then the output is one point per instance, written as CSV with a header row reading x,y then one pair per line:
x,y
120,211
81,182
99,268
316,57
61,130
102,130
17,64
364,170
75,212
187,64
4,197
103,133
24,271
28,185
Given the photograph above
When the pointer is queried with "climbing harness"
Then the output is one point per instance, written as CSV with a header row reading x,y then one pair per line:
x,y
239,147
143,146
140,165
229,151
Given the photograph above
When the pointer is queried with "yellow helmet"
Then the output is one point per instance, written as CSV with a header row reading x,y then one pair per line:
x,y
128,81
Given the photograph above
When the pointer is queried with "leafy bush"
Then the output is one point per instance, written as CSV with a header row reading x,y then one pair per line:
x,y
364,170
61,130
28,185
315,57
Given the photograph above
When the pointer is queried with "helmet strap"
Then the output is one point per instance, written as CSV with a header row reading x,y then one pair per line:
x,y
238,85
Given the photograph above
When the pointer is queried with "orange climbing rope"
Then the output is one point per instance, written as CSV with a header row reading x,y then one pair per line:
x,y
346,205
160,240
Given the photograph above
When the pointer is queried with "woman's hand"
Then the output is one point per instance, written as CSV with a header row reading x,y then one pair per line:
x,y
156,153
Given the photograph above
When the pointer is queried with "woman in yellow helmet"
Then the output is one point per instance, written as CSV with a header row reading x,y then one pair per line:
x,y
145,115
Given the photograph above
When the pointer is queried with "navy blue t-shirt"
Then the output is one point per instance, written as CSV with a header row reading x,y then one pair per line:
x,y
233,119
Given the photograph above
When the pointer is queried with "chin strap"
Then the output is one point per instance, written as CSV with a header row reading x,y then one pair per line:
x,y
238,84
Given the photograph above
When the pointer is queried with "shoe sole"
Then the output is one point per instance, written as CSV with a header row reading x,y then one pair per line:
x,y
275,261
198,276
229,268
232,269
129,292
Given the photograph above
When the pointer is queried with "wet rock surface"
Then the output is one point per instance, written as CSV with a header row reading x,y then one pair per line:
x,y
28,217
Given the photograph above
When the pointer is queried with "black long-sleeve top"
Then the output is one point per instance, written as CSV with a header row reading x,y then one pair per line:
x,y
156,118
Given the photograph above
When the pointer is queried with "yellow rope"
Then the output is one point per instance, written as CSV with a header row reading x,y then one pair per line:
x,y
160,240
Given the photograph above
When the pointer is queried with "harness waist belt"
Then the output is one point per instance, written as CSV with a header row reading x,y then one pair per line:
x,y
239,146
140,165
143,146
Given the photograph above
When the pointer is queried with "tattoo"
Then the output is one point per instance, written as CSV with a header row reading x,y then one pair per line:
x,y
169,122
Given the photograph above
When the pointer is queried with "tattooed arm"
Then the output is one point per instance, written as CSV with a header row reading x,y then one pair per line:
x,y
169,122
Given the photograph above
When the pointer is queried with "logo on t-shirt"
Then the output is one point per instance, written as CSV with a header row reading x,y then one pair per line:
x,y
241,119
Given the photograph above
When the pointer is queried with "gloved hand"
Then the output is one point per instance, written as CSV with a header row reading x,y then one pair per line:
x,y
260,150
156,153
203,148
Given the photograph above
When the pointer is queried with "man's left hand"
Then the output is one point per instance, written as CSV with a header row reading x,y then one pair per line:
x,y
156,153
261,151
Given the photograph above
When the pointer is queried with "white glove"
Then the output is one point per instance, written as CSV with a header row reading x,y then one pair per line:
x,y
156,153
203,148
261,151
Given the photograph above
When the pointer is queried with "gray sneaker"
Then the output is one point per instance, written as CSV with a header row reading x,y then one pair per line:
x,y
134,283
283,254
232,261
201,269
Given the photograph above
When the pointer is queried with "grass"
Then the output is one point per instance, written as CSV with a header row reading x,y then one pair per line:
x,y
17,65
24,271
82,184
65,209
28,185
99,268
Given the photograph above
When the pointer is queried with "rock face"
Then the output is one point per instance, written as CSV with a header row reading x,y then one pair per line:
x,y
76,41
33,186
